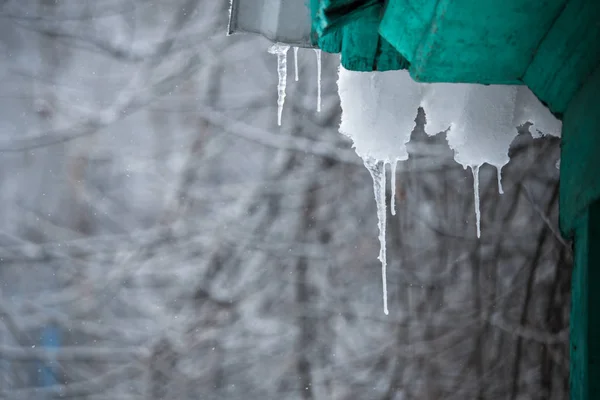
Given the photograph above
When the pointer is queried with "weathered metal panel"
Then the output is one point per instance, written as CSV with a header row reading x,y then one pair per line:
x,y
580,150
567,56
585,300
351,28
284,21
485,41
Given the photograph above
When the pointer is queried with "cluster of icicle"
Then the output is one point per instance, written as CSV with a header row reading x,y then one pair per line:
x,y
480,122
281,50
378,115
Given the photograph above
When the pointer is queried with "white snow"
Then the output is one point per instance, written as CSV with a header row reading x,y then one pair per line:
x,y
318,52
378,112
280,50
530,109
480,122
442,103
483,129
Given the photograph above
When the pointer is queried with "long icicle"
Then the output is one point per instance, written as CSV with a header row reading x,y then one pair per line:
x,y
499,176
318,52
377,171
296,63
475,170
393,166
280,50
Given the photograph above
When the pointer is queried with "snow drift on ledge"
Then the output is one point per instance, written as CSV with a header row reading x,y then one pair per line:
x,y
479,121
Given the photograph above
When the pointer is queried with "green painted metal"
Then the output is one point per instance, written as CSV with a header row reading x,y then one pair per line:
x,y
351,28
580,155
585,301
483,41
568,55
550,45
580,218
405,23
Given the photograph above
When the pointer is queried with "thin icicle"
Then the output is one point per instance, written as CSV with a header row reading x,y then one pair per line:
x,y
475,170
318,52
499,175
280,50
393,166
296,63
377,170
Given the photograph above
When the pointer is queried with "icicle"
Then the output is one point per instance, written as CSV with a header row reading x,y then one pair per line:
x,y
499,175
475,170
318,52
296,63
229,30
393,166
377,170
280,50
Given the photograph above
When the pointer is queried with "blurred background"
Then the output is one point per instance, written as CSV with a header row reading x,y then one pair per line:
x,y
162,238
